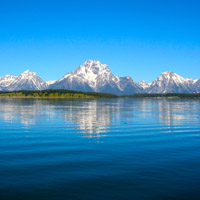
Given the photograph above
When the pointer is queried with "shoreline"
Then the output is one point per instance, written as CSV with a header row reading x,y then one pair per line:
x,y
71,94
28,97
32,97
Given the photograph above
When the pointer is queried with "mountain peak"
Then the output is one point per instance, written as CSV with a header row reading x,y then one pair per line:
x,y
94,65
91,69
6,80
92,62
95,76
27,81
28,72
170,82
169,74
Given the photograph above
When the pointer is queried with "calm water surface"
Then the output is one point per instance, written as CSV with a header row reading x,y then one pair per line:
x,y
105,149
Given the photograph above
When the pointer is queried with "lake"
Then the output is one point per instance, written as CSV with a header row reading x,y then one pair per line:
x,y
99,149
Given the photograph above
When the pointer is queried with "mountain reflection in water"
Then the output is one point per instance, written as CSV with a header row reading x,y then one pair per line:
x,y
99,149
96,117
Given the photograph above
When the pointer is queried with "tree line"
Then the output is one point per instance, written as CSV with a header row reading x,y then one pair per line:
x,y
60,93
56,94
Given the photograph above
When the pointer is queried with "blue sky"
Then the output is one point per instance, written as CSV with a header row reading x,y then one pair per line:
x,y
138,38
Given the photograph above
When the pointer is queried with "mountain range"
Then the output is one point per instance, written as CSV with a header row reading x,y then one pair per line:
x,y
96,77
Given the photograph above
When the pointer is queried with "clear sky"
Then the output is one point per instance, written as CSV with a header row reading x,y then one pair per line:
x,y
140,38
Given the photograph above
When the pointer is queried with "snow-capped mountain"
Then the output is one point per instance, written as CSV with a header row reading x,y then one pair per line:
x,y
5,81
50,82
144,84
27,81
170,82
94,76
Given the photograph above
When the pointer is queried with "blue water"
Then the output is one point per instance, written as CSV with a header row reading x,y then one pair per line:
x,y
106,149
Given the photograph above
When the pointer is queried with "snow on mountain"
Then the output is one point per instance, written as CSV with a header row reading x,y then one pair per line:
x,y
128,86
197,85
5,81
192,80
94,76
1,88
170,82
27,81
50,82
144,84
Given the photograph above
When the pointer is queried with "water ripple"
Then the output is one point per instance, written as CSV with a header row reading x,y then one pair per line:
x,y
99,149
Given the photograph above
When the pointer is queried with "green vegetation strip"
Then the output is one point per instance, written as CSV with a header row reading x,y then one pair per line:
x,y
79,95
55,94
